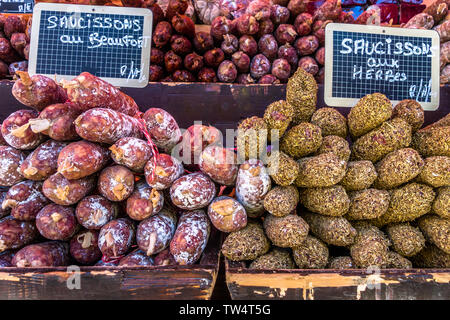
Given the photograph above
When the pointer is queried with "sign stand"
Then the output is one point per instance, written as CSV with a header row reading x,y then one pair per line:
x,y
400,63
112,43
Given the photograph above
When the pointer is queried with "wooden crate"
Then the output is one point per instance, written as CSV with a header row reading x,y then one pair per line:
x,y
111,283
330,284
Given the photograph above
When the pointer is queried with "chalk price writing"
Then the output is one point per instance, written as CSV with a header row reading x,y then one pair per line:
x,y
22,6
77,22
27,7
423,90
132,72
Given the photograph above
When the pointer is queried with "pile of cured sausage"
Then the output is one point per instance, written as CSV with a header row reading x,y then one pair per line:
x,y
90,180
15,31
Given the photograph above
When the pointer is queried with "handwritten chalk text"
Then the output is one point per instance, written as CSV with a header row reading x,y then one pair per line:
x,y
76,21
367,47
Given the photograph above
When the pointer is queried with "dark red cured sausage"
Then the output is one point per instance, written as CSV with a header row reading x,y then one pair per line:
x,y
329,10
106,126
192,191
57,121
163,128
3,212
144,202
90,92
37,91
369,17
7,52
43,161
155,233
46,254
136,258
84,247
17,132
166,171
15,234
13,24
10,161
82,158
67,192
164,258
18,42
25,200
132,153
93,212
195,139
219,164
116,183
191,237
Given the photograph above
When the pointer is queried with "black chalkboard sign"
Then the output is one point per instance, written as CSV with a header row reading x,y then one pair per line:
x,y
16,6
400,63
110,42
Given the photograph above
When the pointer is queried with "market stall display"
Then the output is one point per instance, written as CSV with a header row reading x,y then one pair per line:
x,y
14,44
246,102
307,201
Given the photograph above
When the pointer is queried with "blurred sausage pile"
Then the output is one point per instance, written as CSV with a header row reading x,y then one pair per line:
x,y
266,44
436,17
14,44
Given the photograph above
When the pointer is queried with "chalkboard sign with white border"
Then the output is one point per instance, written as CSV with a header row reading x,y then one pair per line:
x,y
400,63
16,6
112,43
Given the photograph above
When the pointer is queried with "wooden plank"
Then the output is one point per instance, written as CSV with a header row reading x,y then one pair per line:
x,y
115,283
355,284
221,105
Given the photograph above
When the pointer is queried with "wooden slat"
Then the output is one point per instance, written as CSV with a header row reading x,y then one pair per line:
x,y
189,283
355,284
221,105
